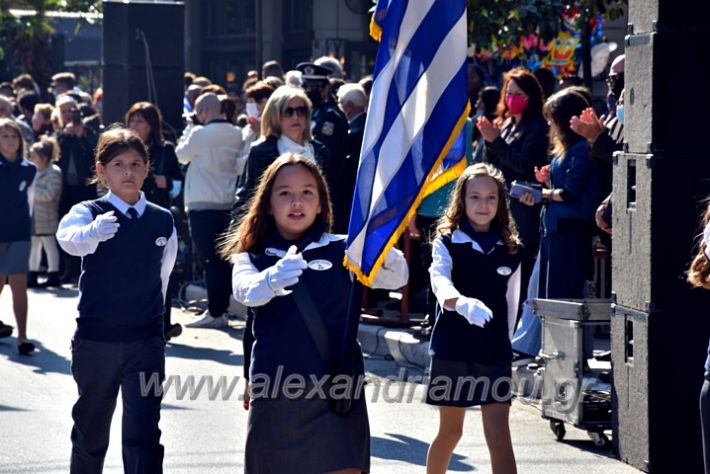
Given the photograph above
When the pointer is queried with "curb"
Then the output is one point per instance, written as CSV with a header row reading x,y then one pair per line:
x,y
401,345
195,292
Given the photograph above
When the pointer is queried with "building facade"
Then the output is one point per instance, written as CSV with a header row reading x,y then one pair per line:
x,y
227,38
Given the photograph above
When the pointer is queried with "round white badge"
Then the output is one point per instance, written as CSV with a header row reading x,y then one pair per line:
x,y
504,271
320,265
161,241
23,185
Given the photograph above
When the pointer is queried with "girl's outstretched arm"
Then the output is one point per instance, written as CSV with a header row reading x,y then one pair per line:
x,y
77,233
440,273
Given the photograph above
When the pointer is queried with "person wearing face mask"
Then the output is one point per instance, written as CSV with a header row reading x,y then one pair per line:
x,y
330,127
516,142
256,97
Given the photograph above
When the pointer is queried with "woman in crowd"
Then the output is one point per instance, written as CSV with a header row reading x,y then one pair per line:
x,y
42,120
164,175
145,119
516,142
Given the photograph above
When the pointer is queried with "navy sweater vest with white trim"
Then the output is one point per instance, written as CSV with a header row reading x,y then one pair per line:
x,y
15,179
476,275
281,336
121,289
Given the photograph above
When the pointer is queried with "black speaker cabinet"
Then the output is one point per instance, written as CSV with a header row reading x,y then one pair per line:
x,y
143,57
660,325
661,108
658,372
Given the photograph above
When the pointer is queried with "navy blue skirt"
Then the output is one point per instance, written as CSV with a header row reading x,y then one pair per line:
x,y
304,436
465,384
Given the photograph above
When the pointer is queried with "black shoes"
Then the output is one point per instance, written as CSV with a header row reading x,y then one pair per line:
x,y
32,280
5,330
172,330
25,348
52,280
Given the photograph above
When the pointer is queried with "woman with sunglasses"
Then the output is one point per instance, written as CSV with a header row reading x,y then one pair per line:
x,y
285,127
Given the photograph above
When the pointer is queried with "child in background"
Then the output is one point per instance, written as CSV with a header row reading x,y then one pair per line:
x,y
127,248
475,276
16,196
45,217
282,245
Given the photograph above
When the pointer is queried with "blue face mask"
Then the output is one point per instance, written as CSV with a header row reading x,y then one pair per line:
x,y
620,113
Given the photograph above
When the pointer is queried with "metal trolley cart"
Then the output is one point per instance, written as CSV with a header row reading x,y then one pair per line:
x,y
576,389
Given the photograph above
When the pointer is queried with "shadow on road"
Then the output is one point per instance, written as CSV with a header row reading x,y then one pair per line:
x,y
410,450
175,349
44,360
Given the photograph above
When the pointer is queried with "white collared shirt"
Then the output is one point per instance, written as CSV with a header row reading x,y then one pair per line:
x,y
443,286
250,286
74,234
285,144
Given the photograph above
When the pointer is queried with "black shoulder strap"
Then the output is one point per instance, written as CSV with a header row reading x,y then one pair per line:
x,y
314,323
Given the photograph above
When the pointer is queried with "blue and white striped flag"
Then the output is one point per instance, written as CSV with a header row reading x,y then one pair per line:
x,y
418,105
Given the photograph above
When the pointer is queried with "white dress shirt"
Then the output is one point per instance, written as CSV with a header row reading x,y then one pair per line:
x,y
251,289
443,287
75,238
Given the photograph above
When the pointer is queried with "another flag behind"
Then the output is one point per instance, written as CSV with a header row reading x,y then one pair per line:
x,y
418,105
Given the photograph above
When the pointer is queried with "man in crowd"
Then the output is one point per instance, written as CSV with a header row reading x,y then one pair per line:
x,y
211,151
353,101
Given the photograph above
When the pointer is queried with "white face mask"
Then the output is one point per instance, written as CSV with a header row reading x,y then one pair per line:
x,y
252,111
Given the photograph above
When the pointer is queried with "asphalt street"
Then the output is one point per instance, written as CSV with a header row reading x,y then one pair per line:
x,y
205,432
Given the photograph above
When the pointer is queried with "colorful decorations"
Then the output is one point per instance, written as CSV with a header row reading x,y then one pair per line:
x,y
561,55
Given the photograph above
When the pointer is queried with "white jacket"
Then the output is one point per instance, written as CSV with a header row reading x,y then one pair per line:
x,y
211,150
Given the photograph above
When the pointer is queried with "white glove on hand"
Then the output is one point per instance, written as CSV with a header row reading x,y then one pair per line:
x,y
104,226
286,271
475,311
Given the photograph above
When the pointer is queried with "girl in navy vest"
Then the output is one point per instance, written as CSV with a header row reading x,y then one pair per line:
x,y
16,196
128,248
475,276
699,276
284,239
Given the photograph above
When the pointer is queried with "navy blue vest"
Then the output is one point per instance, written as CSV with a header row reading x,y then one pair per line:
x,y
15,218
281,337
476,275
121,290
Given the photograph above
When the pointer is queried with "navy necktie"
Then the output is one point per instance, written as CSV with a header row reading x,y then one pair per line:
x,y
133,213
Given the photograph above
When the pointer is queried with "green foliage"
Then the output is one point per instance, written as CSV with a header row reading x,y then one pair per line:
x,y
26,41
505,22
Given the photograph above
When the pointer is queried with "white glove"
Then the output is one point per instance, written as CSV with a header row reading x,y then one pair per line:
x,y
475,311
286,271
104,226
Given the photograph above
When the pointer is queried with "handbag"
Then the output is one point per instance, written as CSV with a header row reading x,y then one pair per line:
x,y
341,405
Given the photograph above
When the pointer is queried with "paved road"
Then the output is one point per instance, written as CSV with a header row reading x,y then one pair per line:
x,y
202,435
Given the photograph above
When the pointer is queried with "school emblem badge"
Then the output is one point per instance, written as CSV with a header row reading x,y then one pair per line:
x,y
23,185
327,129
161,241
320,265
504,271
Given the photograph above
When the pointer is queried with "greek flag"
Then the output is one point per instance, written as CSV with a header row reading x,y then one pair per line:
x,y
418,106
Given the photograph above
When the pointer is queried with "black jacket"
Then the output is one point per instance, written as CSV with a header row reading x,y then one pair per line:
x,y
260,157
518,150
81,151
163,163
